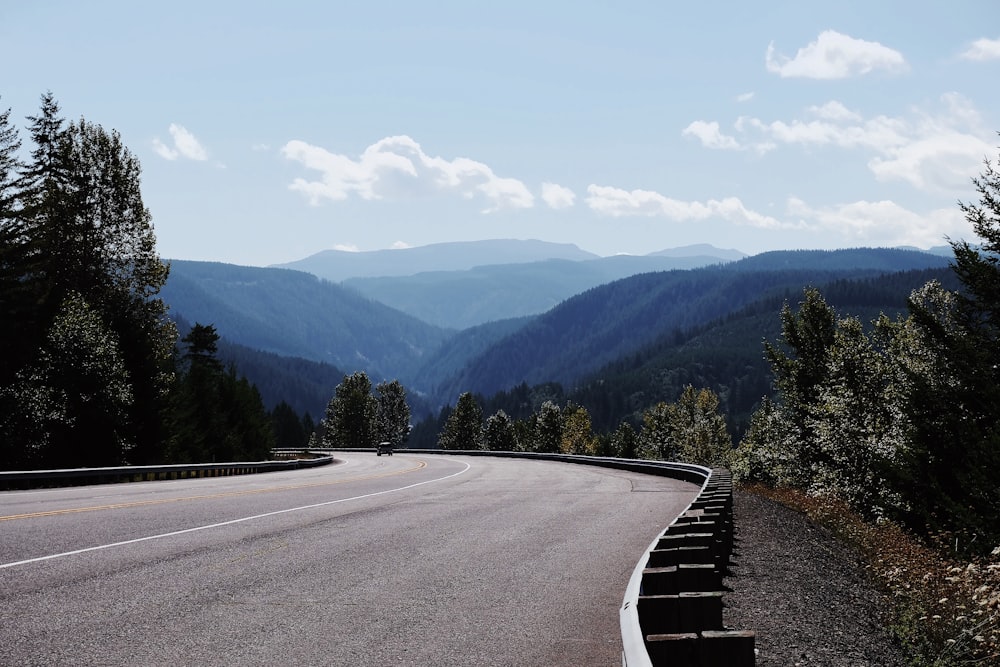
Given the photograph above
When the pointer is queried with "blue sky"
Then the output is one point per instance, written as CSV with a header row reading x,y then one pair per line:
x,y
270,131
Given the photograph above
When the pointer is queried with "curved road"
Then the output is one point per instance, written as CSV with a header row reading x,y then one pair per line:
x,y
404,560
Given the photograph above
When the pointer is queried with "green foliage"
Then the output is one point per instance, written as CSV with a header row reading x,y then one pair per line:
x,y
901,422
351,414
464,428
624,442
548,428
499,434
290,430
577,432
690,430
77,254
78,384
218,416
954,451
392,414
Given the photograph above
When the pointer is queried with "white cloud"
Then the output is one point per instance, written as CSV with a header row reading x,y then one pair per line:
x,y
835,111
745,97
397,167
835,56
557,196
617,203
710,135
882,223
400,245
184,145
983,49
938,149
346,247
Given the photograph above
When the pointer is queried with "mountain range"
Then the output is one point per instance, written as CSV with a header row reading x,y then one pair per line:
x,y
490,326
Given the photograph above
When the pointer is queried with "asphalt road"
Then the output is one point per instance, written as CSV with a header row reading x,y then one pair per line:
x,y
402,560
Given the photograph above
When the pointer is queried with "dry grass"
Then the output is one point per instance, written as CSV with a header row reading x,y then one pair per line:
x,y
947,612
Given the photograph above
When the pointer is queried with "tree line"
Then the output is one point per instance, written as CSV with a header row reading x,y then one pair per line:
x,y
899,418
94,372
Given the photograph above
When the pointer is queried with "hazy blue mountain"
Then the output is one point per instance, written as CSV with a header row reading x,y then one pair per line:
x,y
613,320
461,299
295,314
338,265
876,259
701,250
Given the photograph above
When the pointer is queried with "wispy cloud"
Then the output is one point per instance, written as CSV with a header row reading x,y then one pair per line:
x,y
398,168
557,196
184,145
835,56
881,223
710,135
346,247
745,97
939,148
617,203
983,49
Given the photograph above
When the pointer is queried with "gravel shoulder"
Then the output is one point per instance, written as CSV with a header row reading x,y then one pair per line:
x,y
804,593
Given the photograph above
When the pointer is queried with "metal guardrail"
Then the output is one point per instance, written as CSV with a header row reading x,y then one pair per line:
x,y
19,479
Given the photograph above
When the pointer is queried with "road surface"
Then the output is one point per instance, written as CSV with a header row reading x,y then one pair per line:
x,y
407,560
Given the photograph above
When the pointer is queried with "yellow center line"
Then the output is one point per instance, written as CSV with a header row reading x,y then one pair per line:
x,y
228,494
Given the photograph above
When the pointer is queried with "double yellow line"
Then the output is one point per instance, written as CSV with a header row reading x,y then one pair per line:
x,y
229,494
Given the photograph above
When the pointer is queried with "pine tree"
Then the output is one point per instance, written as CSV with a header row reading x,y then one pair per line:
x,y
955,438
350,414
498,433
392,413
464,428
74,232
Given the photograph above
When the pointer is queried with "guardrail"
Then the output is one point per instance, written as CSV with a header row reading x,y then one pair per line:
x,y
672,612
19,479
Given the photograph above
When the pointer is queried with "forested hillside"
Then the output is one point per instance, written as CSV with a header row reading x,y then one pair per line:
x,y
461,299
295,314
727,355
612,321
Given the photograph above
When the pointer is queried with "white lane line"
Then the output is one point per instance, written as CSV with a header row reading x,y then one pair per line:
x,y
228,523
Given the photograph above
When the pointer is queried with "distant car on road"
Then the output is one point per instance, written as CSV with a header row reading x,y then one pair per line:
x,y
384,448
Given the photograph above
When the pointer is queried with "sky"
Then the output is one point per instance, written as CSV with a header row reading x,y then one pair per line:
x,y
270,131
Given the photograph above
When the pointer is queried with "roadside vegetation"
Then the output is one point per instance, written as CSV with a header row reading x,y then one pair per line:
x,y
891,436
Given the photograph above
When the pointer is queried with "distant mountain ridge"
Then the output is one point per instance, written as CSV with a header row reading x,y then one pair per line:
x,y
295,314
338,265
460,285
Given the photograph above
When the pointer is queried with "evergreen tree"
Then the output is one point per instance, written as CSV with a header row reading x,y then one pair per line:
x,y
217,415
289,429
392,413
350,414
75,233
799,364
464,428
699,428
955,438
656,439
498,433
624,442
766,454
548,428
